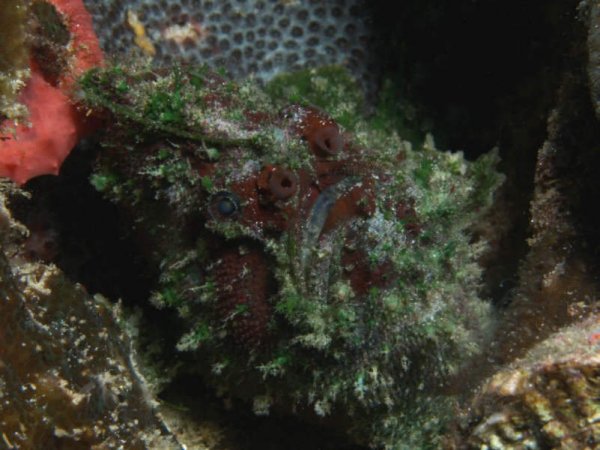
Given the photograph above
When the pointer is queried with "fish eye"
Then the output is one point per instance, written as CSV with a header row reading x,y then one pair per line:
x,y
224,205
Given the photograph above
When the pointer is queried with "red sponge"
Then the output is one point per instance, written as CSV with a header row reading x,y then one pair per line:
x,y
41,148
84,45
56,125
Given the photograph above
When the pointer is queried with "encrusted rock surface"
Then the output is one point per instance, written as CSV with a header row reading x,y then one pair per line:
x,y
591,11
67,379
259,38
14,66
543,364
558,284
548,399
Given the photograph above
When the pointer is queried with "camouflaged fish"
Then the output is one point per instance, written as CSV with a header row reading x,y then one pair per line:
x,y
319,262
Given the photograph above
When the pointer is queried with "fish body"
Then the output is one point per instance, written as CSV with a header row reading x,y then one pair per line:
x,y
316,264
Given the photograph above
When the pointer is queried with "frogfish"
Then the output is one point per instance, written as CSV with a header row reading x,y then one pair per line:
x,y
319,264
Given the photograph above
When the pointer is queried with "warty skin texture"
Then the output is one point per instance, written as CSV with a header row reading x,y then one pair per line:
x,y
318,264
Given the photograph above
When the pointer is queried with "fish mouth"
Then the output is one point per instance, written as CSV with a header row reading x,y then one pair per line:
x,y
319,213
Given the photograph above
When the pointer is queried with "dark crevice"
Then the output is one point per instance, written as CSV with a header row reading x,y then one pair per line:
x,y
251,432
94,248
481,74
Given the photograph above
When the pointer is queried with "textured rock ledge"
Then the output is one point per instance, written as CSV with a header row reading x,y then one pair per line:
x,y
66,374
548,399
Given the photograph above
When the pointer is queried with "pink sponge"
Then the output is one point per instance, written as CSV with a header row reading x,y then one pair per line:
x,y
41,148
55,124
84,45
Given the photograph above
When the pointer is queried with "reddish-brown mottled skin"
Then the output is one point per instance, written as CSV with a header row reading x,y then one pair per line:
x,y
256,119
406,213
361,275
277,199
357,202
320,131
243,290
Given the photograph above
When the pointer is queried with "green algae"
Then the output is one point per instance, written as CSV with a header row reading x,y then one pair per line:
x,y
331,88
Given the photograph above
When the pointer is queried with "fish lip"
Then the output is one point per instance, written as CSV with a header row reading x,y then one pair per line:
x,y
319,212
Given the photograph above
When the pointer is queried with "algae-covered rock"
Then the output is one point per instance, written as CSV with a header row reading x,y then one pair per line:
x,y
317,269
67,379
548,399
557,278
591,10
14,64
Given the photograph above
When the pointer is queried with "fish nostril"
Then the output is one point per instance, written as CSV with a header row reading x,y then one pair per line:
x,y
328,140
283,183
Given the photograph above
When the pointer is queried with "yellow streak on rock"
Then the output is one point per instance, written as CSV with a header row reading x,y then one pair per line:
x,y
141,39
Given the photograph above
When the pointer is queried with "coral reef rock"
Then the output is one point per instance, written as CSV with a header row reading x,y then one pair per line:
x,y
592,10
66,375
14,67
319,263
262,38
549,399
558,282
